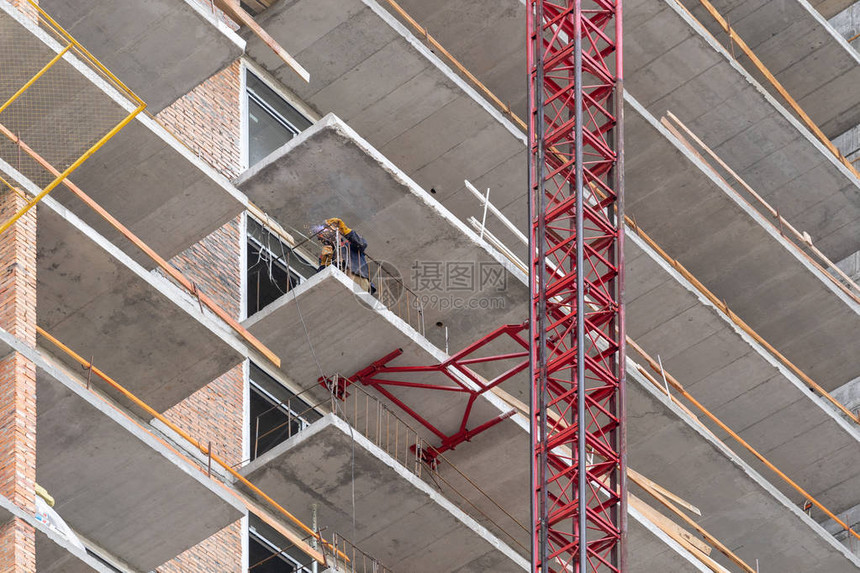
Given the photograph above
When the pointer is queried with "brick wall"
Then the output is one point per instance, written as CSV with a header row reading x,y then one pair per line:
x,y
221,553
18,383
207,120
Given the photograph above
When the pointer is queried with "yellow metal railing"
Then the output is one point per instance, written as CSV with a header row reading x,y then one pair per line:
x,y
48,102
47,158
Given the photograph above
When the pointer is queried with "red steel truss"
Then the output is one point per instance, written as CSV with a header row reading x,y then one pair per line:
x,y
577,331
461,380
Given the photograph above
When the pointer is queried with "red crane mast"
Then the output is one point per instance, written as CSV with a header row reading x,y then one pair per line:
x,y
576,267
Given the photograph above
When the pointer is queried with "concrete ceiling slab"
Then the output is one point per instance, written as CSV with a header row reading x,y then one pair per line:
x,y
119,486
668,447
114,482
732,375
54,558
143,176
373,73
136,325
54,554
422,531
830,8
808,57
738,254
656,551
161,49
157,188
672,62
352,330
329,170
487,36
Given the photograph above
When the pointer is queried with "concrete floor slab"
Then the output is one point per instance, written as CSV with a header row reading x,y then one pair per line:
x,y
403,225
143,176
54,554
136,325
808,57
161,49
114,482
375,75
422,530
738,254
351,330
672,61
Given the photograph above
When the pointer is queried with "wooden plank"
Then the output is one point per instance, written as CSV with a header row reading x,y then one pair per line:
x,y
639,479
668,526
238,14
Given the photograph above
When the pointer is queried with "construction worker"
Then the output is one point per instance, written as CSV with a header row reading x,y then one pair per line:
x,y
352,259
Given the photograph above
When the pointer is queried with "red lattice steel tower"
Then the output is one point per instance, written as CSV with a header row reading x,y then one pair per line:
x,y
576,321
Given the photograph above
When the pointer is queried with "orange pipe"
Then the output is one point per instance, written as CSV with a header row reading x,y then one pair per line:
x,y
203,449
161,262
677,386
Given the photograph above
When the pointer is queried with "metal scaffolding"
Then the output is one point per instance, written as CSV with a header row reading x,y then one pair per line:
x,y
575,256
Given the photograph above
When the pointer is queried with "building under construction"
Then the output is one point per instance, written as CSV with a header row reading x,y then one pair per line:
x,y
291,286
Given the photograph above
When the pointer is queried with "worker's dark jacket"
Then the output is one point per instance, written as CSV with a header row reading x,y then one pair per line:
x,y
352,256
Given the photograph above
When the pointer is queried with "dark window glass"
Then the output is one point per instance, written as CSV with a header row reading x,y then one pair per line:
x,y
266,557
271,121
273,268
276,413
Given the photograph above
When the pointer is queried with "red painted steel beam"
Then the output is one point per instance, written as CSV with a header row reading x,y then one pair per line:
x,y
576,321
464,382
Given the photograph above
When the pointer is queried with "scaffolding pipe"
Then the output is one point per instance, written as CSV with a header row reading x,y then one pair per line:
x,y
680,389
777,85
179,431
61,177
32,80
160,261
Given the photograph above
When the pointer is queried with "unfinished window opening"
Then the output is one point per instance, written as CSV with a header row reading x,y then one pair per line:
x,y
271,120
276,413
273,268
269,552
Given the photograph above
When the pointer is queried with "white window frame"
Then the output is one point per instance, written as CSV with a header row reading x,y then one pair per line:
x,y
249,66
273,548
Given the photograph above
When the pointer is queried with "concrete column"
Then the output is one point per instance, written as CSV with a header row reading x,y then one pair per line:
x,y
18,383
